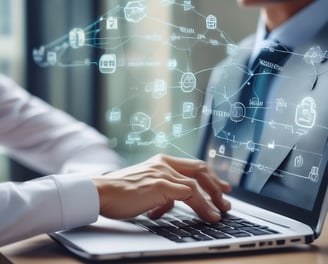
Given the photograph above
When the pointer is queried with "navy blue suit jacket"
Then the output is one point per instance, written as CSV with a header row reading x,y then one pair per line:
x,y
295,128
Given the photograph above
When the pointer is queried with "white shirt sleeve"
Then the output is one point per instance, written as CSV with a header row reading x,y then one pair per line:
x,y
47,139
45,205
51,142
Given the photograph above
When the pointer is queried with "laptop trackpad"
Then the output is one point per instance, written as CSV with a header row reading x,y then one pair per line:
x,y
108,236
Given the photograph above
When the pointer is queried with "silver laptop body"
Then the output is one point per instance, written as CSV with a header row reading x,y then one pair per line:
x,y
111,239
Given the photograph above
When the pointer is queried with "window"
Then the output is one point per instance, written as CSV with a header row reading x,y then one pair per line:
x,y
11,53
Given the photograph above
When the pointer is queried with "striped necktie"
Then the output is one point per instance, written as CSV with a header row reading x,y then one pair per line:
x,y
268,64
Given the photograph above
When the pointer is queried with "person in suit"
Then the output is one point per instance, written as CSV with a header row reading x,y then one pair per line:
x,y
85,177
265,104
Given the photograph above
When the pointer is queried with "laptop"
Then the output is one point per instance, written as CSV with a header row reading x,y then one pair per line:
x,y
289,209
255,222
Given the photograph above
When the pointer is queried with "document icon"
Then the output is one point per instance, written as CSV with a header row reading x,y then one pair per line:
x,y
107,63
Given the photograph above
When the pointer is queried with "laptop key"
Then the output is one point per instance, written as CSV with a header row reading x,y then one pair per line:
x,y
178,223
178,232
233,224
201,237
191,230
216,234
241,234
230,217
255,232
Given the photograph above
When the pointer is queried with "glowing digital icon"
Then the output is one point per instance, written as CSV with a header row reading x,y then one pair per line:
x,y
159,89
255,102
211,22
114,115
212,153
140,122
135,11
201,36
172,64
76,38
250,145
187,5
269,45
314,55
298,161
314,174
167,2
107,63
161,140
188,82
237,112
132,138
272,145
280,104
39,54
306,113
174,37
188,110
177,130
52,57
222,149
112,23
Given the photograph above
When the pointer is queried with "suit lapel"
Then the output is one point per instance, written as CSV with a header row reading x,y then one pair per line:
x,y
281,133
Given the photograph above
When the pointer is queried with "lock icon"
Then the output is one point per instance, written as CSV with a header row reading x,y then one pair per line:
x,y
306,113
114,115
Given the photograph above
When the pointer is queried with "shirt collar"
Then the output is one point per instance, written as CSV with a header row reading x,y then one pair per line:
x,y
291,34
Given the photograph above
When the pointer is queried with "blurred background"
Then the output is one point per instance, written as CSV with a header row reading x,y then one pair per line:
x,y
172,42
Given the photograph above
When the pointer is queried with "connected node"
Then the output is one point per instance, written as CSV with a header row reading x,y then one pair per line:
x,y
188,82
314,55
140,122
237,112
211,22
135,11
107,63
76,38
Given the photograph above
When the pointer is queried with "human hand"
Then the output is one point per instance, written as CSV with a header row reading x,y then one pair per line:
x,y
153,185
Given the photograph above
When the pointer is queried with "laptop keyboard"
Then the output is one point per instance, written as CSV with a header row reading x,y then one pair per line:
x,y
184,229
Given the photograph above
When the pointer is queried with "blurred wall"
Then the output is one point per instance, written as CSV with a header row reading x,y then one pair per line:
x,y
12,42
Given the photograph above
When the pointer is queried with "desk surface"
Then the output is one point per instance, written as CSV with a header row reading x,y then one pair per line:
x,y
41,249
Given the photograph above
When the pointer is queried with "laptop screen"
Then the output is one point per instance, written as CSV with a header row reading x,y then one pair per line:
x,y
271,147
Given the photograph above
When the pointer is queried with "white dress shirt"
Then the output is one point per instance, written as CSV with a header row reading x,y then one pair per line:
x,y
51,142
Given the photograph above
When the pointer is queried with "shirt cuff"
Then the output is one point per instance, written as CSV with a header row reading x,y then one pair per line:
x,y
79,199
